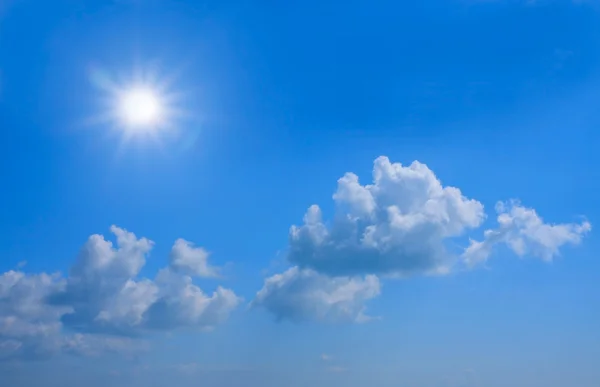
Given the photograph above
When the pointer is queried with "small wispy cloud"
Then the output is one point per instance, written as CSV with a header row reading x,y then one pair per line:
x,y
337,369
326,357
193,368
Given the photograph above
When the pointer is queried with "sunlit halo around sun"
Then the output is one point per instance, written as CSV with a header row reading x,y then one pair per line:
x,y
140,107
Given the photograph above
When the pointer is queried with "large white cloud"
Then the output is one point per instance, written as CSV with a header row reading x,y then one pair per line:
x,y
525,233
397,225
404,223
301,295
104,300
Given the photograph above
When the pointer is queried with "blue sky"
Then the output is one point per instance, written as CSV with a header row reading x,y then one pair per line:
x,y
388,194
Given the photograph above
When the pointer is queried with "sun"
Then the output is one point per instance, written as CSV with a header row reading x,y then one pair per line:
x,y
141,104
140,107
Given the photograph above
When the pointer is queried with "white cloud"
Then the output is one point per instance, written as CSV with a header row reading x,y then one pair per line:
x,y
107,296
303,294
28,326
401,224
180,303
190,260
525,233
31,328
397,225
102,287
103,296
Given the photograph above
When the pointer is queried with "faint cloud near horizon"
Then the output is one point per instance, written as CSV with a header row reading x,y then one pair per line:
x,y
193,368
337,369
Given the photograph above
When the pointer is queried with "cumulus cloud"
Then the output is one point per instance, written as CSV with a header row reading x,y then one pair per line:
x,y
398,225
104,300
28,326
525,233
303,294
406,222
106,295
191,260
180,303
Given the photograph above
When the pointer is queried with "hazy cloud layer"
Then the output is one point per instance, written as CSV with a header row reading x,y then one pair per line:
x,y
401,224
103,299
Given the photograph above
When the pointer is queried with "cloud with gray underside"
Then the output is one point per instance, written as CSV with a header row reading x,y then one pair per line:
x,y
403,223
104,304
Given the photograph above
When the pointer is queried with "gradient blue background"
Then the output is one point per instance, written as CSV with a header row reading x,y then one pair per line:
x,y
499,98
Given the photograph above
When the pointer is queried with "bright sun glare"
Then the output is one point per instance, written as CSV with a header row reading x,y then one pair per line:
x,y
142,104
140,107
